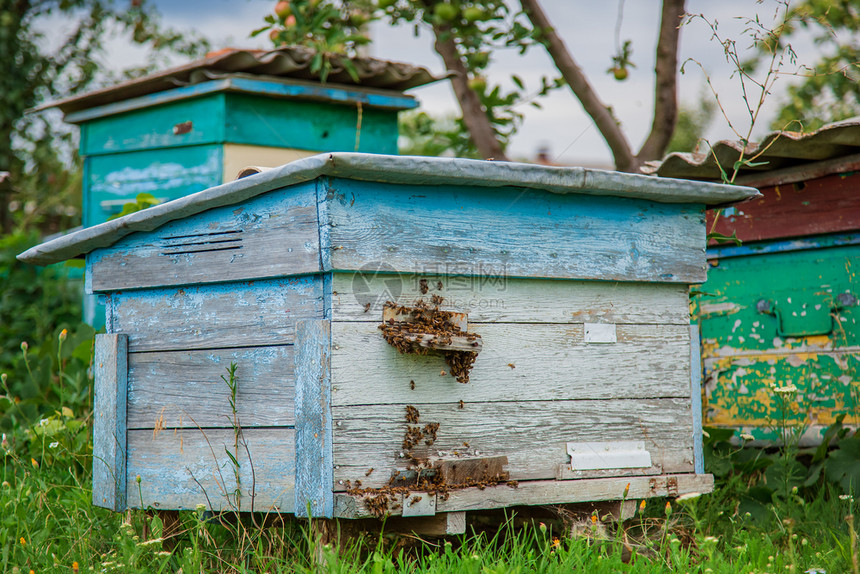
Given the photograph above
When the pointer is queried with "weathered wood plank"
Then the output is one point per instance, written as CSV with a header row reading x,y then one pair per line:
x,y
444,343
272,235
181,469
472,469
696,398
153,127
493,299
403,314
248,314
440,524
184,388
739,389
110,368
298,123
549,492
111,180
514,232
518,362
533,435
313,419
817,206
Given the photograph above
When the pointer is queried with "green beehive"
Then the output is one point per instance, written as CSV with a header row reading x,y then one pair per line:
x,y
779,314
190,128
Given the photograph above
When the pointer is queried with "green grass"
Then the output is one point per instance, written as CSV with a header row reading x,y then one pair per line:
x,y
49,524
777,511
770,512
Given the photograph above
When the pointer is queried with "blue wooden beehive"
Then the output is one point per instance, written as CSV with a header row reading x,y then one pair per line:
x,y
572,284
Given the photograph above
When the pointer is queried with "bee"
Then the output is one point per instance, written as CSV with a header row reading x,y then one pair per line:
x,y
462,404
366,307
442,373
412,385
511,365
422,286
369,471
439,286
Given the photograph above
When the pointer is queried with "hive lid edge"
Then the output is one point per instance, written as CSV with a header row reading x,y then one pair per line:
x,y
411,170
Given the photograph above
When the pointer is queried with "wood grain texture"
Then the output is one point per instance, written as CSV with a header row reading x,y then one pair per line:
x,y
185,389
181,469
519,362
313,419
302,124
272,235
511,300
153,127
217,316
513,232
442,524
549,492
812,207
110,368
696,398
533,435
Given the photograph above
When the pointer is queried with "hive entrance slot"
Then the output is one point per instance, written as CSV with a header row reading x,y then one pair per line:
x,y
202,242
424,328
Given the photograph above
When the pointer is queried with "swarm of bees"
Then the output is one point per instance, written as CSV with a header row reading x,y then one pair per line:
x,y
421,474
414,434
412,414
429,319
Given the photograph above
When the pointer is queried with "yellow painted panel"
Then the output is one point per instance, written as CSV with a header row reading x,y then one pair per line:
x,y
238,157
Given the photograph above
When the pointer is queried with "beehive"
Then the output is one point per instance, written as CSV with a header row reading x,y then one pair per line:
x,y
779,314
570,282
185,129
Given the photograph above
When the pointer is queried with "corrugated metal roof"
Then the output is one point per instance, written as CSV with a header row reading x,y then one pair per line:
x,y
780,150
287,62
409,170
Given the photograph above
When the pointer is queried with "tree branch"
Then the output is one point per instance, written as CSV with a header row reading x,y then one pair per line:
x,y
474,116
575,78
665,91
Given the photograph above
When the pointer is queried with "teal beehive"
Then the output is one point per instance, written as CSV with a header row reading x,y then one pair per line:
x,y
411,336
193,127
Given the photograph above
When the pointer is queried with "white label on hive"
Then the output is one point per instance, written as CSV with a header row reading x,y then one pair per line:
x,y
600,333
608,455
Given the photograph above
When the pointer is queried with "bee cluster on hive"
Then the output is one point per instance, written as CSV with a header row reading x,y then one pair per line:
x,y
423,476
423,319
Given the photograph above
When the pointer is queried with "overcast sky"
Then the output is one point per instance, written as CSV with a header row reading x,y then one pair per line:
x,y
587,27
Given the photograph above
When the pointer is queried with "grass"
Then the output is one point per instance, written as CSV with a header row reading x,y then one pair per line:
x,y
769,513
48,524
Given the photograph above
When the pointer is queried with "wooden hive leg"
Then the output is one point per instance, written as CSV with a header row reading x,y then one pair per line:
x,y
440,524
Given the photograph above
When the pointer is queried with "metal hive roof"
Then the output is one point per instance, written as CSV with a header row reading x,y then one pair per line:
x,y
780,150
407,170
292,62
